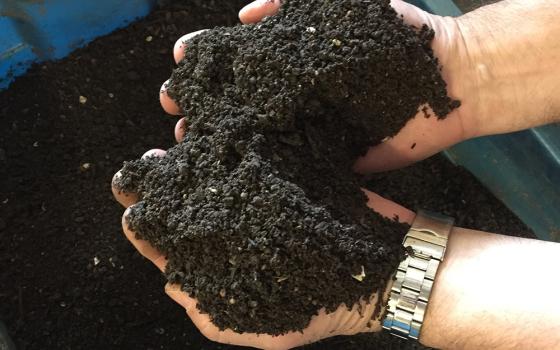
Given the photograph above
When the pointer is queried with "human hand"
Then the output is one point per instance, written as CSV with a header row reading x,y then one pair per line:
x,y
412,143
343,321
506,80
421,137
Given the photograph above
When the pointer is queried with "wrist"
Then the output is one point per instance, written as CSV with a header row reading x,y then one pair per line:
x,y
504,62
456,60
376,325
425,243
437,311
487,294
373,322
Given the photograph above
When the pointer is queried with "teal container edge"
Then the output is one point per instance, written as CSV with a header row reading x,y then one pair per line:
x,y
521,169
34,31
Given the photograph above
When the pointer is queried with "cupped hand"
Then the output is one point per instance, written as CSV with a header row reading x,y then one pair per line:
x,y
343,321
422,136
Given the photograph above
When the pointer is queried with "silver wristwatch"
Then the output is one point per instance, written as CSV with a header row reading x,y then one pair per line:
x,y
425,243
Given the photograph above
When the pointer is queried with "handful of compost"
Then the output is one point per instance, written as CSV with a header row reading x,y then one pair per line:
x,y
257,210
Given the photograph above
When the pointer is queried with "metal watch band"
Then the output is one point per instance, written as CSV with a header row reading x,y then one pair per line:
x,y
426,242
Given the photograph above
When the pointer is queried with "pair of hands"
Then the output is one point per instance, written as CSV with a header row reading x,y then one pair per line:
x,y
429,135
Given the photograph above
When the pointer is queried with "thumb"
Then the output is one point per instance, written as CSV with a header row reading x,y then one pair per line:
x,y
258,9
413,15
422,137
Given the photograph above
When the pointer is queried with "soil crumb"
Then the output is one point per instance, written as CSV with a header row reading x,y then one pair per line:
x,y
257,210
50,259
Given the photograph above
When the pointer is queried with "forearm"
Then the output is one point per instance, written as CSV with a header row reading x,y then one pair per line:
x,y
510,74
495,292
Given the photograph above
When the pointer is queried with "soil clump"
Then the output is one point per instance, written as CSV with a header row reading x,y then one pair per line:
x,y
257,210
57,218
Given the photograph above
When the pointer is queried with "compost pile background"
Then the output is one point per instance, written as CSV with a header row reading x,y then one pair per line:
x,y
257,210
66,269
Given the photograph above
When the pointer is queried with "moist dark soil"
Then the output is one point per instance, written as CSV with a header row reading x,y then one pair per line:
x,y
258,211
69,279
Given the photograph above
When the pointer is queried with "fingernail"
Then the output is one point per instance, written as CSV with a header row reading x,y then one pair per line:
x,y
250,7
154,153
256,4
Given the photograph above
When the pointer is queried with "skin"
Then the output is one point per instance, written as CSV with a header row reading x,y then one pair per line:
x,y
491,293
487,66
344,321
485,276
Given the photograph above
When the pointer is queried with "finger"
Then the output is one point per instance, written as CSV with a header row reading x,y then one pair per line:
x,y
359,318
156,152
181,45
419,139
389,209
201,321
174,292
126,199
228,336
143,247
180,130
412,15
259,9
169,106
210,331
